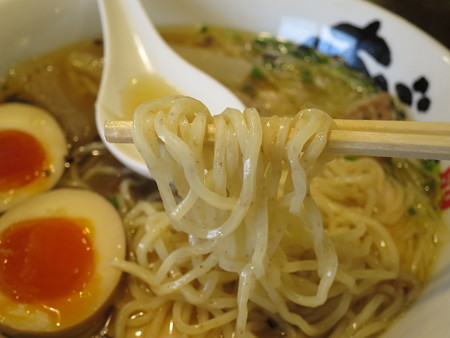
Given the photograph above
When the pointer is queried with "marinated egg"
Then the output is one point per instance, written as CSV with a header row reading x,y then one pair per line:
x,y
32,152
56,250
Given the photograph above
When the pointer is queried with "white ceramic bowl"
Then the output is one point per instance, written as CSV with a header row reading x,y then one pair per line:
x,y
404,53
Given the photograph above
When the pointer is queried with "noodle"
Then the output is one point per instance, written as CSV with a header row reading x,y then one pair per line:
x,y
243,234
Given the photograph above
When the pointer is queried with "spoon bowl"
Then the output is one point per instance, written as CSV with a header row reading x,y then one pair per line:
x,y
140,66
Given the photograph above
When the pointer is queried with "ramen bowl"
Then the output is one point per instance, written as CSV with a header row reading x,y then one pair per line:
x,y
408,63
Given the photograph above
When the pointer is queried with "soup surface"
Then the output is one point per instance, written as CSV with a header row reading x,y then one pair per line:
x,y
277,78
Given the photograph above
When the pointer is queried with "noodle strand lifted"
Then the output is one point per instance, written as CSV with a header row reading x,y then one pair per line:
x,y
240,245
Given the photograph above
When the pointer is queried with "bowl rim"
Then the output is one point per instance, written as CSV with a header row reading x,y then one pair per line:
x,y
85,22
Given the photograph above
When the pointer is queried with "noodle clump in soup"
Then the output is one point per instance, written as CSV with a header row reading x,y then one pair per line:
x,y
241,248
253,233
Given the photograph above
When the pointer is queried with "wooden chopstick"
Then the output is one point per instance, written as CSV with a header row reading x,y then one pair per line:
x,y
403,139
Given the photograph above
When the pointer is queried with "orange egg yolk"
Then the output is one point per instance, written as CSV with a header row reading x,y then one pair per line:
x,y
44,259
22,159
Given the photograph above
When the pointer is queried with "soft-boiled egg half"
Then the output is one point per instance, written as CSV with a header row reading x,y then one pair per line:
x,y
56,254
32,152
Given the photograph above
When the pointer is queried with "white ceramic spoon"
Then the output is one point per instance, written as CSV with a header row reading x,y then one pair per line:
x,y
135,51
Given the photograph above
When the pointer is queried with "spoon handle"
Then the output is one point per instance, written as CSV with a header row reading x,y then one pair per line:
x,y
127,29
124,24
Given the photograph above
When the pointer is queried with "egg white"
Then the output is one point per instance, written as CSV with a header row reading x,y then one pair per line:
x,y
43,127
108,242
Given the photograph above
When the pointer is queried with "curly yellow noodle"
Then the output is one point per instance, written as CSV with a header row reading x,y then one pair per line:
x,y
259,234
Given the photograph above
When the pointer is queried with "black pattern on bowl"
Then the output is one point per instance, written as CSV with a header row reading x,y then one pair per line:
x,y
366,39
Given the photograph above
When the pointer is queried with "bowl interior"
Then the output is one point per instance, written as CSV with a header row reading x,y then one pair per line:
x,y
387,46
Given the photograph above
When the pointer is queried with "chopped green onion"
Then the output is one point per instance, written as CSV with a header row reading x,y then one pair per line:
x,y
428,186
306,76
113,201
272,323
412,211
430,165
204,29
256,73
